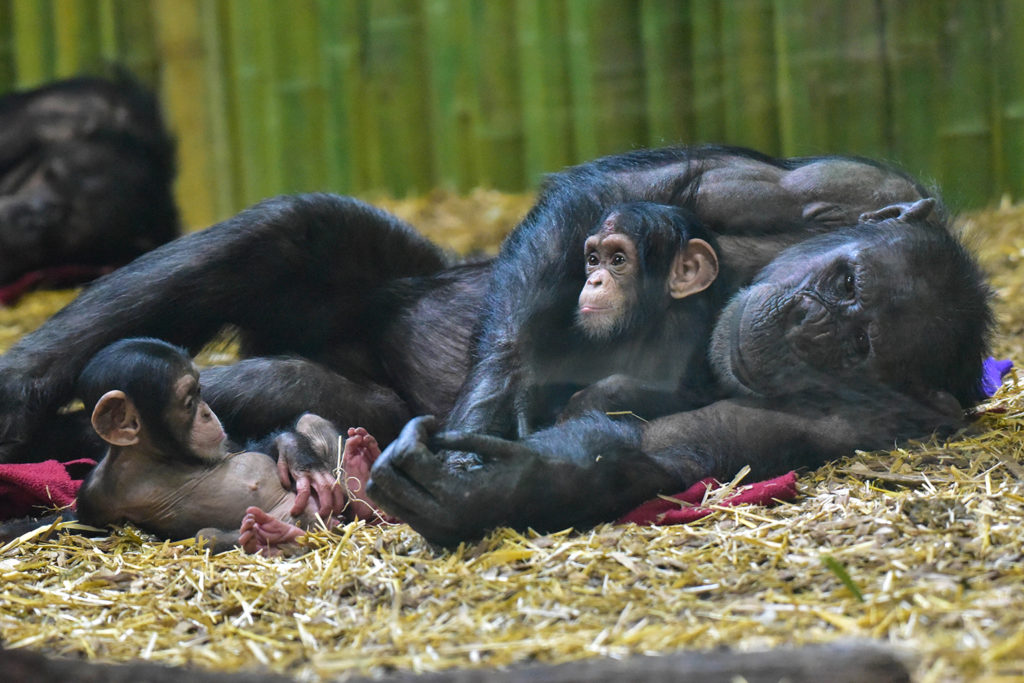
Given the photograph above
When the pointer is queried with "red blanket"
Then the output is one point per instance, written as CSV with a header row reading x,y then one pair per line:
x,y
661,511
57,276
26,488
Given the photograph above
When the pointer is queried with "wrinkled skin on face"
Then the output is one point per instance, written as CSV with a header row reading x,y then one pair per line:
x,y
878,308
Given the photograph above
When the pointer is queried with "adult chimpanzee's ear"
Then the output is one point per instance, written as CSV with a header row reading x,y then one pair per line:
x,y
116,420
693,269
907,211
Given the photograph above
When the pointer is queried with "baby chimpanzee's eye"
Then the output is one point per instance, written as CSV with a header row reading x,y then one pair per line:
x,y
618,259
592,259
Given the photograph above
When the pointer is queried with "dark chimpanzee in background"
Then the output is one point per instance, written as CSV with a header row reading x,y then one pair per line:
x,y
358,300
170,471
86,168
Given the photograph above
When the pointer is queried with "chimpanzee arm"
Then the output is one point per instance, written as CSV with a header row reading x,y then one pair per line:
x,y
257,395
593,469
281,271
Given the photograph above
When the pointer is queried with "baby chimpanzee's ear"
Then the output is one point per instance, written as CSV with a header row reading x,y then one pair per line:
x,y
694,268
116,420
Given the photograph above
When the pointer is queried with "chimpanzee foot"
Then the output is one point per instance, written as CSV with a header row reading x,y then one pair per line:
x,y
266,535
361,451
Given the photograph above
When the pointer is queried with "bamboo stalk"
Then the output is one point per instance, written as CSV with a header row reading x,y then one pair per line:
x,y
964,107
857,81
32,30
708,77
606,67
226,193
454,107
184,98
668,78
337,55
751,115
300,152
106,18
7,75
1009,65
396,62
913,29
136,39
802,49
77,37
255,122
544,88
500,160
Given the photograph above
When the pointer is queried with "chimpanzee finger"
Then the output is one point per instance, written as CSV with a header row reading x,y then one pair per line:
x,y
302,491
328,494
419,428
283,474
485,446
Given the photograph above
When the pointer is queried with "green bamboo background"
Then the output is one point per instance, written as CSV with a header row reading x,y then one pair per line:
x,y
402,96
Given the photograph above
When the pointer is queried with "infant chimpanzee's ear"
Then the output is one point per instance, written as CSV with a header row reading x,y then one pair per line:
x,y
694,268
116,420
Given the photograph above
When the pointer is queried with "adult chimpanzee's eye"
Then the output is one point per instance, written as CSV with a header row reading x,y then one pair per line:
x,y
862,342
849,284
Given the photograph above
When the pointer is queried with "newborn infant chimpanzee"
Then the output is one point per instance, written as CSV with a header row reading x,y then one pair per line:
x,y
169,470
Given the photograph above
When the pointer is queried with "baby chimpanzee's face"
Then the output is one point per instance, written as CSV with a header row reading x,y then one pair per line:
x,y
192,420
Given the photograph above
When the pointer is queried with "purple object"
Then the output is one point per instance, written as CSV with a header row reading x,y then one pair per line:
x,y
992,373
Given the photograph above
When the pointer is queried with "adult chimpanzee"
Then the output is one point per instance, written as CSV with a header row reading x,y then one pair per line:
x,y
820,356
86,167
169,468
754,206
644,265
359,296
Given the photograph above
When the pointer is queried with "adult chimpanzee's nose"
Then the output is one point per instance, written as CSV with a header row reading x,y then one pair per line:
x,y
809,326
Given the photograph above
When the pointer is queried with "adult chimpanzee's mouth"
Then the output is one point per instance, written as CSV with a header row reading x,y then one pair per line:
x,y
737,365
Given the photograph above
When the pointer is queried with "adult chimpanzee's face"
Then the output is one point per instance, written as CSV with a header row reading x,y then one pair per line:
x,y
864,303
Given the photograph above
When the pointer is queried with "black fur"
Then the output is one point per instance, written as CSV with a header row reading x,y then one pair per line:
x,y
86,174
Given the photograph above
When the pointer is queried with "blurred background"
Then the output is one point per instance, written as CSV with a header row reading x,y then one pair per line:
x,y
402,97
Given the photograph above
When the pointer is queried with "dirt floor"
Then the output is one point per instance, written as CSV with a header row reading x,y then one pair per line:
x,y
920,549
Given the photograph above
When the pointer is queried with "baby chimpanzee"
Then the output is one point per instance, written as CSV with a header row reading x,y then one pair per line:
x,y
169,469
644,327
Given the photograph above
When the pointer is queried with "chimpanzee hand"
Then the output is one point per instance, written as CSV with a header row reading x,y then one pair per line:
x,y
298,460
447,497
622,393
550,480
607,394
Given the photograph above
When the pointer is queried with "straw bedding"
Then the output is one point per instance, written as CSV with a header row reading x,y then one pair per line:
x,y
921,548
